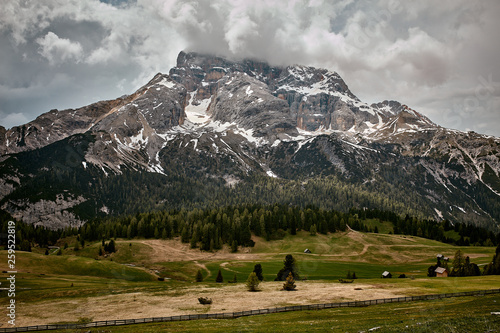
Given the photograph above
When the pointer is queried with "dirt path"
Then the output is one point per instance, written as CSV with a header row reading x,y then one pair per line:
x,y
224,264
202,266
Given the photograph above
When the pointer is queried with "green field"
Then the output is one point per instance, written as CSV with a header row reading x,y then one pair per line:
x,y
77,282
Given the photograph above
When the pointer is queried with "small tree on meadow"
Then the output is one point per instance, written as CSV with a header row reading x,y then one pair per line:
x,y
219,278
253,282
199,276
258,271
289,283
289,267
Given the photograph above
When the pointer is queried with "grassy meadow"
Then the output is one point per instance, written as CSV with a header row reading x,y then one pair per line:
x,y
81,285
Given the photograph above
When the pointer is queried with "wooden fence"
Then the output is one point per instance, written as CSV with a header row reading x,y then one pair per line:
x,y
230,315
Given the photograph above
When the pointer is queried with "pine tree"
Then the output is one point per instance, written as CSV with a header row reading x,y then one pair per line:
x,y
199,276
458,264
313,230
234,246
258,271
219,278
111,246
253,282
289,267
289,283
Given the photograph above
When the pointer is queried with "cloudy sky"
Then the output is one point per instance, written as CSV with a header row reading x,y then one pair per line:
x,y
441,58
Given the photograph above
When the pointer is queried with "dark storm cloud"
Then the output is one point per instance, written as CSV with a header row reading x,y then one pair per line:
x,y
432,56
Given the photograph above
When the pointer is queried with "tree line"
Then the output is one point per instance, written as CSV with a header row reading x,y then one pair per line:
x,y
209,229
469,234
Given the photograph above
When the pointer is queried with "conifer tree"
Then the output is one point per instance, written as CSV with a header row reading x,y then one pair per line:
x,y
234,246
219,278
289,283
258,271
289,267
253,282
199,276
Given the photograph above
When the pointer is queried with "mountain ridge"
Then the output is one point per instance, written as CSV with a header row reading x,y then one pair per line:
x,y
235,119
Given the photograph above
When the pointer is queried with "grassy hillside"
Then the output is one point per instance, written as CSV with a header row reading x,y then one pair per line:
x,y
65,288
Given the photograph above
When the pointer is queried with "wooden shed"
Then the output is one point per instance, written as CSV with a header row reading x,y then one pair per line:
x,y
441,272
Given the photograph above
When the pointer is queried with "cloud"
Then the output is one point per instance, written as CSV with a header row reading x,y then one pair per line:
x,y
57,50
13,119
420,53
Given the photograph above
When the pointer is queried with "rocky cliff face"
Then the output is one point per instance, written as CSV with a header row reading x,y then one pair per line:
x,y
217,121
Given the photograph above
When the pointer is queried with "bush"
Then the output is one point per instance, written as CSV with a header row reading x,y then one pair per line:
x,y
204,300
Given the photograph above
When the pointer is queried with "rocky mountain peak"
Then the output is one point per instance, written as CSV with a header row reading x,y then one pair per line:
x,y
216,121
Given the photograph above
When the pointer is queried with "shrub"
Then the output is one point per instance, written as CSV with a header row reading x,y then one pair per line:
x,y
204,300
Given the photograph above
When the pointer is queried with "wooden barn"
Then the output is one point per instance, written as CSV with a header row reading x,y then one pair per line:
x,y
441,272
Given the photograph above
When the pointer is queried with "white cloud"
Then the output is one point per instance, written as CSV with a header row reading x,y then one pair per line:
x,y
57,50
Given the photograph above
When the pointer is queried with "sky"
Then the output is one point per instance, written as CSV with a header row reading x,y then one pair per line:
x,y
441,58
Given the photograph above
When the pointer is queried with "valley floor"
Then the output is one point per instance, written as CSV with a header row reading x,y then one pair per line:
x,y
82,286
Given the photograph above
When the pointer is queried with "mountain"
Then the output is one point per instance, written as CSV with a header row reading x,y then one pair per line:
x,y
221,132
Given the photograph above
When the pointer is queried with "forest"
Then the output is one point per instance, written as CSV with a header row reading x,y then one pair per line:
x,y
209,229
